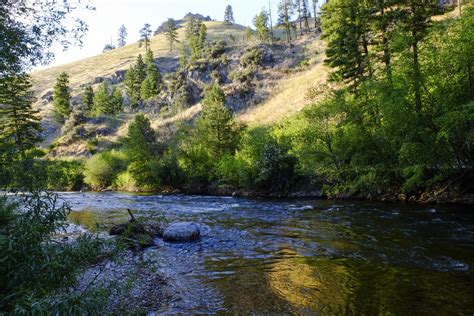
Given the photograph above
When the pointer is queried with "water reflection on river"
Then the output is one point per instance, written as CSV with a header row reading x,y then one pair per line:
x,y
306,256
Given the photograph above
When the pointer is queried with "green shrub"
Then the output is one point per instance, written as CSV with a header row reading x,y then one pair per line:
x,y
38,269
65,175
102,169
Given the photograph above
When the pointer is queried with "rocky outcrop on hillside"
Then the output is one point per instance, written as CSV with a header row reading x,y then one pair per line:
x,y
181,22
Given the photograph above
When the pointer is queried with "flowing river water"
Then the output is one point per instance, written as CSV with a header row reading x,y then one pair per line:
x,y
263,256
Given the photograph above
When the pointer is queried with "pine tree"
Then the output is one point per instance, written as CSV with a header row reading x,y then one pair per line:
x,y
133,80
315,13
261,24
151,85
108,48
62,97
87,99
346,29
171,32
145,34
300,14
141,142
229,15
305,14
285,11
19,123
101,100
116,101
216,127
122,36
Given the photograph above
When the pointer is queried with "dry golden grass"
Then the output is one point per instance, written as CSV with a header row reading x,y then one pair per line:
x,y
84,71
289,96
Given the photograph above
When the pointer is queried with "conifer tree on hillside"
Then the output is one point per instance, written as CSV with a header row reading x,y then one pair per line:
x,y
261,24
315,13
298,7
229,15
107,101
152,84
87,99
62,98
145,35
285,11
133,80
19,123
216,126
305,14
122,36
108,48
171,32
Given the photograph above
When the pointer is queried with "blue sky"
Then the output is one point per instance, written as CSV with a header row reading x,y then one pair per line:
x,y
111,14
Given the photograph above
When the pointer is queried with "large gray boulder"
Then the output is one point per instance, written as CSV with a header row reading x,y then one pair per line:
x,y
182,232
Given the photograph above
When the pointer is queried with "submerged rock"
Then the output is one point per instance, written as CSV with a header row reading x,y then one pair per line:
x,y
182,232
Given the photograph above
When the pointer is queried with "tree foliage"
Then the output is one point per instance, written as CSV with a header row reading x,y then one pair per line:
x,y
62,97
229,15
122,36
145,35
261,24
171,32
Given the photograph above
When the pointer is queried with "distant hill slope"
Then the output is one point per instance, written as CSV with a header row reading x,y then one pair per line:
x,y
106,64
278,87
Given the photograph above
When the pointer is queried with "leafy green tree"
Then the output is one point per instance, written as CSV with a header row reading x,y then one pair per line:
x,y
152,84
19,123
87,99
145,35
171,32
229,15
261,24
62,97
29,29
122,36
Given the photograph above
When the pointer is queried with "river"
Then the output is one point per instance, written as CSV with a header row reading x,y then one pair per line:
x,y
263,256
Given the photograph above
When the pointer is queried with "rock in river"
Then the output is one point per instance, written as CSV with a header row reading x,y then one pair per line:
x,y
182,232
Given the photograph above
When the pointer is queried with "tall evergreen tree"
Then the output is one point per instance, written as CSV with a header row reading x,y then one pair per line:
x,y
315,13
300,14
151,85
216,127
285,11
261,24
122,36
229,15
145,35
305,14
171,32
141,142
87,99
346,30
101,100
19,123
62,97
133,80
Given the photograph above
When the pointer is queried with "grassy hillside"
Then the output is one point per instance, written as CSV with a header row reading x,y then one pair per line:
x,y
103,65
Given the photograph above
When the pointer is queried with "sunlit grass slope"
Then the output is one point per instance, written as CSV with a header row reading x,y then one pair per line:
x,y
106,64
